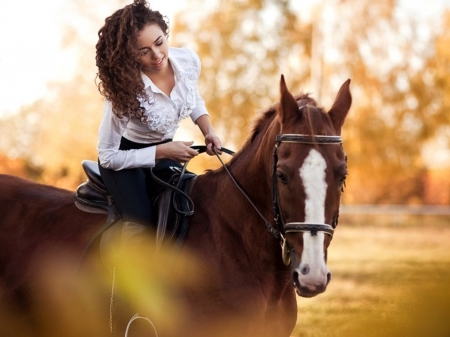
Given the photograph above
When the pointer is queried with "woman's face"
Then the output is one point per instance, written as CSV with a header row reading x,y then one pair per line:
x,y
153,48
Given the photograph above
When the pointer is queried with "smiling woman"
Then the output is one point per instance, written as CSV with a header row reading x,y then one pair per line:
x,y
149,88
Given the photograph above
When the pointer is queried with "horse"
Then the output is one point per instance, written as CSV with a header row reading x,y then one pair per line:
x,y
259,234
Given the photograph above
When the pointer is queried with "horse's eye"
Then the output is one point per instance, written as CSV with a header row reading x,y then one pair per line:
x,y
282,177
342,182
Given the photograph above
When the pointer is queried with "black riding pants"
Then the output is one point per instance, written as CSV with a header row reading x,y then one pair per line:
x,y
128,188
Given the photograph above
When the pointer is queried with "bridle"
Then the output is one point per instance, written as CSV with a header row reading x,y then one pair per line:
x,y
281,227
297,227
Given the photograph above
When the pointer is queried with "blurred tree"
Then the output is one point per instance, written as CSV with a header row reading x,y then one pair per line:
x,y
398,103
432,86
244,46
401,89
56,133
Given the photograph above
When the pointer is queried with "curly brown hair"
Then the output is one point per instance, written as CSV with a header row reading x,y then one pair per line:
x,y
116,57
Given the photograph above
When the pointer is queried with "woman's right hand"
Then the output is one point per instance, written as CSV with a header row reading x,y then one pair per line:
x,y
179,151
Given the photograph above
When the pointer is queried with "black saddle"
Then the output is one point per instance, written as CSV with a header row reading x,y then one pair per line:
x,y
92,195
171,202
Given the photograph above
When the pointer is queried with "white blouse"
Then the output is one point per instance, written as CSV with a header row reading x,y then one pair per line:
x,y
160,120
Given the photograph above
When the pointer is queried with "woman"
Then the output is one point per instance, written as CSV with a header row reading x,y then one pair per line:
x,y
149,88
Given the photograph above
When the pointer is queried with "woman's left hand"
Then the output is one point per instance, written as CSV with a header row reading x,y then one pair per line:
x,y
211,140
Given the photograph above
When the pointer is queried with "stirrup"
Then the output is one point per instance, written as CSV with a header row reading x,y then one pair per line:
x,y
137,316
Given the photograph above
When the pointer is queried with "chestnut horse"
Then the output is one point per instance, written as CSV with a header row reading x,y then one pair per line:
x,y
261,228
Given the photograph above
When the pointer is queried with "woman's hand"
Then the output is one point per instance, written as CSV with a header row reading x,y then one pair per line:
x,y
178,151
211,140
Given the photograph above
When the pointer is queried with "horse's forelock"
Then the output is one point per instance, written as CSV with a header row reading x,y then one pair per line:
x,y
313,116
311,113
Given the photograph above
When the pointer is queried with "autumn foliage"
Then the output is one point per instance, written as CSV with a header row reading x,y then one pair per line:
x,y
398,130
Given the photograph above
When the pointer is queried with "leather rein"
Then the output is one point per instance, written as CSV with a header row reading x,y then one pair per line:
x,y
281,227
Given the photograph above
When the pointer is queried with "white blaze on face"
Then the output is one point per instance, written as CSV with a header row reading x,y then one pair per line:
x,y
312,270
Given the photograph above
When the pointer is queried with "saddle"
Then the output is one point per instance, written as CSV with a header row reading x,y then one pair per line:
x,y
171,202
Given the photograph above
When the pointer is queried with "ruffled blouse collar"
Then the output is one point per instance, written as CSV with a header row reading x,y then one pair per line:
x,y
157,114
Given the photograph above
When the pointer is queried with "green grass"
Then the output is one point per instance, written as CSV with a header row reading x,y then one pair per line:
x,y
388,280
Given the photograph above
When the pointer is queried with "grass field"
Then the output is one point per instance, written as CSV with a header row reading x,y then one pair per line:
x,y
390,278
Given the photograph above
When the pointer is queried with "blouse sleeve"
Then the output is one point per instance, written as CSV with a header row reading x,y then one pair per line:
x,y
109,135
200,107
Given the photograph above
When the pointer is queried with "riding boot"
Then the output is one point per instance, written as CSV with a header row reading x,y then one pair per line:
x,y
134,248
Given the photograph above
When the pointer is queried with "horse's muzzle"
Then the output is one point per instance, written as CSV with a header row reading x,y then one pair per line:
x,y
310,290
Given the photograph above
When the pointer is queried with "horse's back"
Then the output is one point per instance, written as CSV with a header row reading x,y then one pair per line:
x,y
25,204
37,221
20,197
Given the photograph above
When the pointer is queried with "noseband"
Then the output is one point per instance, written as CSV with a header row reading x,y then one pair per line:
x,y
296,227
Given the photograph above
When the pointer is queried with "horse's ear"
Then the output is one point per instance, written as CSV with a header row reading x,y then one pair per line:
x,y
288,104
341,106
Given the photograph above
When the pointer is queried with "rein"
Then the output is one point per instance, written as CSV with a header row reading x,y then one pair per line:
x,y
176,189
273,231
201,149
281,225
269,226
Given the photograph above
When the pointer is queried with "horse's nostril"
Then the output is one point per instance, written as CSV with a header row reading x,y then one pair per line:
x,y
328,277
295,280
305,269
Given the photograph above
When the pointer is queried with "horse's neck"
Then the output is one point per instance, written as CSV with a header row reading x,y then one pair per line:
x,y
234,238
229,233
244,209
232,215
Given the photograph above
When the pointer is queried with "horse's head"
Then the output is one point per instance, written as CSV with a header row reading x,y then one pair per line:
x,y
309,174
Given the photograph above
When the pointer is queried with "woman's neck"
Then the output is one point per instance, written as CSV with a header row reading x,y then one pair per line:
x,y
164,79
